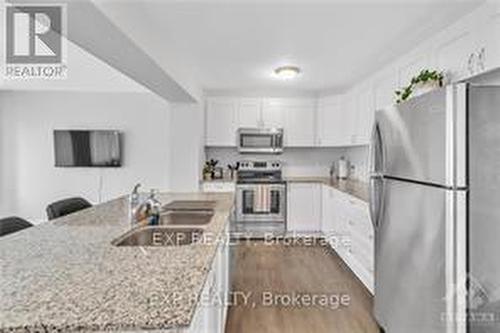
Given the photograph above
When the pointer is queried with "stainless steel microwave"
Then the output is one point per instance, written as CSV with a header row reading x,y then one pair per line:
x,y
260,140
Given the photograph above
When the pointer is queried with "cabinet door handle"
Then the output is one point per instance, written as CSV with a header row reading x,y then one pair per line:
x,y
481,58
470,63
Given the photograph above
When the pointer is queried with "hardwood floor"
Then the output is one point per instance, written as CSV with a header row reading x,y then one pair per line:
x,y
281,270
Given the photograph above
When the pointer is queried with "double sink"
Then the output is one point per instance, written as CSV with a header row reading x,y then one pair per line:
x,y
181,223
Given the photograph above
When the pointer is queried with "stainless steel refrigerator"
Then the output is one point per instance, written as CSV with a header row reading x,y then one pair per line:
x,y
435,206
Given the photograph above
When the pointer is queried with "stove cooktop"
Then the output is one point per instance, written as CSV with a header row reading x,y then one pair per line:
x,y
259,172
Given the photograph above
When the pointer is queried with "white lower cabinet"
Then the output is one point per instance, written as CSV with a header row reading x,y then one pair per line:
x,y
343,220
304,207
346,224
211,313
327,212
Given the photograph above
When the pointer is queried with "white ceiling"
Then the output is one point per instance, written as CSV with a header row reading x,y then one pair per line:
x,y
235,45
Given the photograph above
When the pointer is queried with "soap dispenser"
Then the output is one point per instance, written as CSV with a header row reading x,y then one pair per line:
x,y
154,208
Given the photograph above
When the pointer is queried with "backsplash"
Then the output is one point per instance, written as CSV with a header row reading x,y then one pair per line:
x,y
358,156
302,161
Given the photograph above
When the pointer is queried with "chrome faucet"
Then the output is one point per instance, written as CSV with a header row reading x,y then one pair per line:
x,y
135,205
143,209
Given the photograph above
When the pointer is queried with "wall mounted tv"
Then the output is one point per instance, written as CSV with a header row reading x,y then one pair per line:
x,y
83,148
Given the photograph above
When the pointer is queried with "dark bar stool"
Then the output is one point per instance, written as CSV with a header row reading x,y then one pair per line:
x,y
66,206
13,224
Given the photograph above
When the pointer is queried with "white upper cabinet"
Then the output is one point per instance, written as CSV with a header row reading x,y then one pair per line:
x,y
471,46
335,121
384,86
300,123
328,119
221,122
488,41
412,66
296,116
455,52
273,113
348,127
250,112
365,115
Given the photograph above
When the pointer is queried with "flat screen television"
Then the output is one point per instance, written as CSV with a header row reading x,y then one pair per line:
x,y
94,148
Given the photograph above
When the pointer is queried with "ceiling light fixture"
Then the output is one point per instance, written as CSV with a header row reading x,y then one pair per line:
x,y
287,72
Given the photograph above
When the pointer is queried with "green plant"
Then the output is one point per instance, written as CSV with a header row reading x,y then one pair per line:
x,y
425,76
210,165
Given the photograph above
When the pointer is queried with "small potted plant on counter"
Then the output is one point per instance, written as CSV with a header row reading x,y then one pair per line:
x,y
233,168
426,80
209,169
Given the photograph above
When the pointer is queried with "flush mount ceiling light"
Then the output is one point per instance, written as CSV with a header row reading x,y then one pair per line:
x,y
287,72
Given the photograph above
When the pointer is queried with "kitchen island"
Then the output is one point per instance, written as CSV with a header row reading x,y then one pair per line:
x,y
65,275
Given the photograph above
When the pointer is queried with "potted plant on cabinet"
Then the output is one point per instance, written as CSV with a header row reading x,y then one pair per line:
x,y
426,80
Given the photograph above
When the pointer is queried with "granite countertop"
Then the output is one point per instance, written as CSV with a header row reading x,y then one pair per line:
x,y
65,275
225,179
356,188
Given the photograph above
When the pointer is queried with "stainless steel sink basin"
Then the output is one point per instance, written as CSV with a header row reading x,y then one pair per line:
x,y
159,236
186,218
190,205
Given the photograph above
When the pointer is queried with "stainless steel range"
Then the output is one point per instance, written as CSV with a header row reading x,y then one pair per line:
x,y
260,197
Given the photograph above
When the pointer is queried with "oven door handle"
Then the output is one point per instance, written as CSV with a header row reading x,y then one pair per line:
x,y
278,141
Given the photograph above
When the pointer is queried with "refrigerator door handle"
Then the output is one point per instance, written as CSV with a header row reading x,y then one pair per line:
x,y
376,166
376,152
371,152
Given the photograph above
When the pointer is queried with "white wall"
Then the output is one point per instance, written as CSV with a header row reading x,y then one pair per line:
x,y
28,178
358,157
186,140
